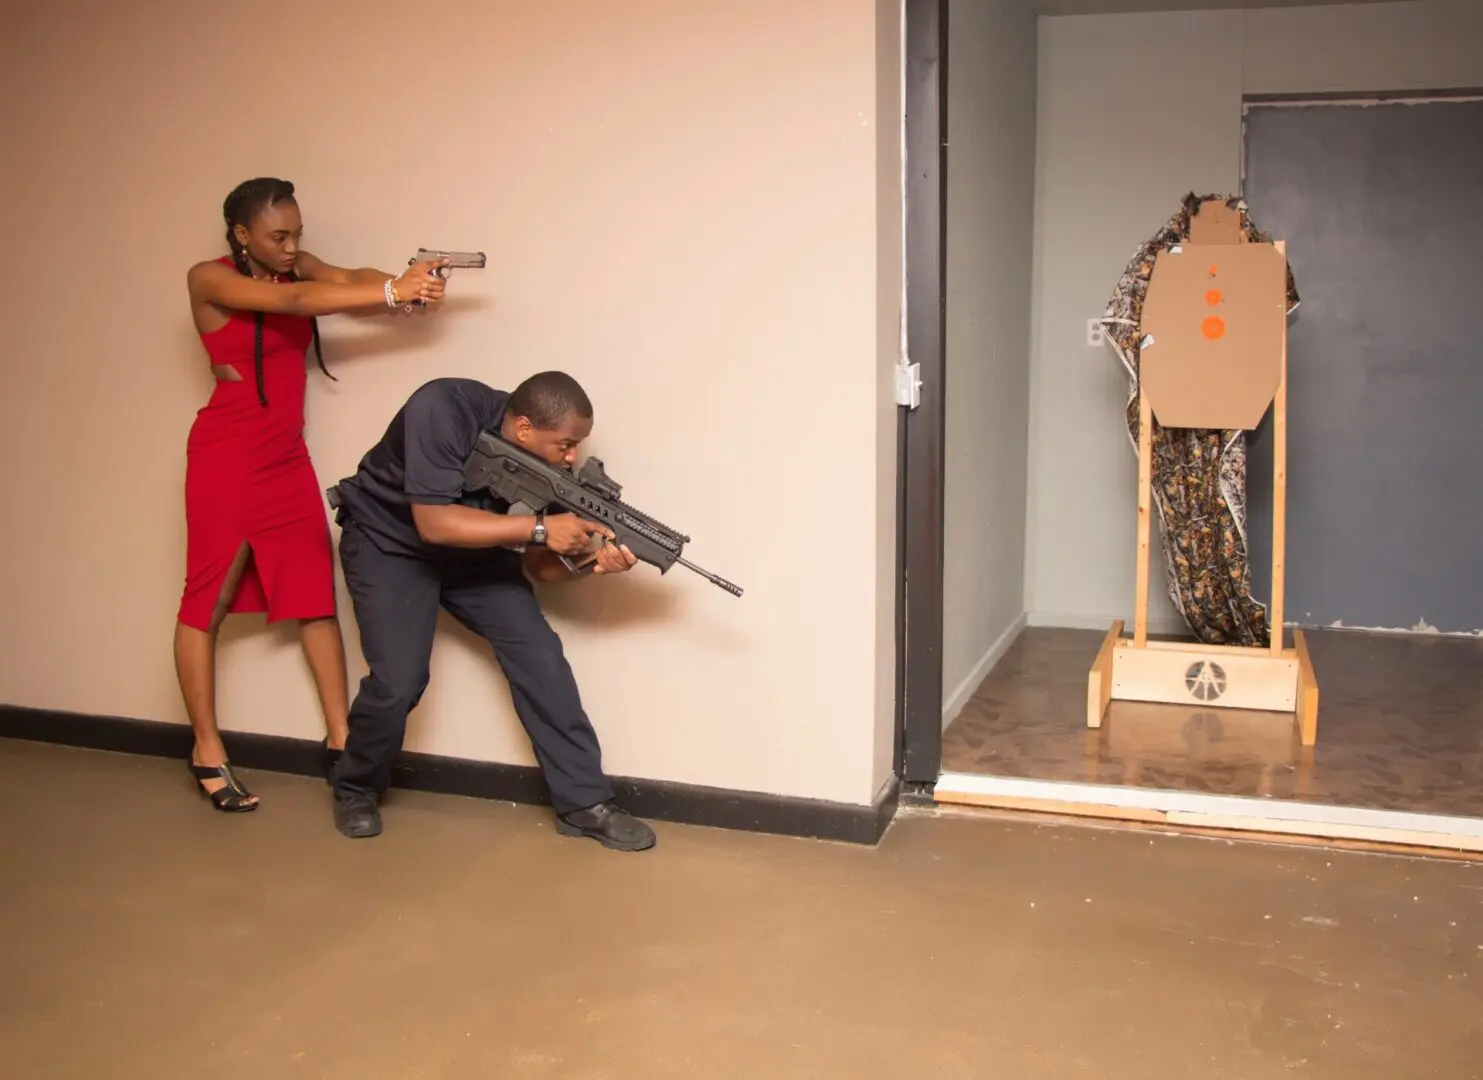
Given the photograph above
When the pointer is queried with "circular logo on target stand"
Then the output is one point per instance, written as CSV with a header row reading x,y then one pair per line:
x,y
1205,680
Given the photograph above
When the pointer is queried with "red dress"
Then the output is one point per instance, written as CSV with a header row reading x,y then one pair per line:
x,y
248,479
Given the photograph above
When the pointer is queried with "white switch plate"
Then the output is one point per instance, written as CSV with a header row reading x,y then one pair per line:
x,y
1095,337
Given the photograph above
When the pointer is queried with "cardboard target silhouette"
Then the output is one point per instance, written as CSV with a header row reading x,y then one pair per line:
x,y
1213,322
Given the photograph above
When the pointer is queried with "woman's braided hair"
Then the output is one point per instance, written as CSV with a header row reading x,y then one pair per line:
x,y
246,201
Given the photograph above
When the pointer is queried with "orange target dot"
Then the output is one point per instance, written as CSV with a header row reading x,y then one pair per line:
x,y
1214,269
1213,297
1213,328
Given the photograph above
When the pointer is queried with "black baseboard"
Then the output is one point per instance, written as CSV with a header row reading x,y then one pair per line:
x,y
656,799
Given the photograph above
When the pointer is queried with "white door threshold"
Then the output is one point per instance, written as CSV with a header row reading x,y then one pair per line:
x,y
1198,810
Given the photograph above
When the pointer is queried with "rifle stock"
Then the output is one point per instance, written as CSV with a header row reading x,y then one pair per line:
x,y
517,476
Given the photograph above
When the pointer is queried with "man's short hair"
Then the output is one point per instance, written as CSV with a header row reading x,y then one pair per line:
x,y
548,398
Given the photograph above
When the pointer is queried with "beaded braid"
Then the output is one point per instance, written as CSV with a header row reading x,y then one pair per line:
x,y
240,207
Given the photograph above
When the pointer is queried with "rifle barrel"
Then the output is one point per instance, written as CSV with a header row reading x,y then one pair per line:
x,y
714,579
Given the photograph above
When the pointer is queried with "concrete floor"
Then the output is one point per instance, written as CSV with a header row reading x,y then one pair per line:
x,y
148,938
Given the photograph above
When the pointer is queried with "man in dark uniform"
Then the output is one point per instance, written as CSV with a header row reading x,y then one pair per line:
x,y
412,540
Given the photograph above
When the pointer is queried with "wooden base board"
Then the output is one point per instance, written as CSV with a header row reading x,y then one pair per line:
x,y
1307,691
1232,813
1099,683
1253,679
1210,676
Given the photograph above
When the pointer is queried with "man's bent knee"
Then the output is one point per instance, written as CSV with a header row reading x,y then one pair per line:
x,y
393,695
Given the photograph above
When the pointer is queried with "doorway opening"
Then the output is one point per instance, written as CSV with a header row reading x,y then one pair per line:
x,y
1369,191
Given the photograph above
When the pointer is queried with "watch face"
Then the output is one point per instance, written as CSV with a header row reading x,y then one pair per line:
x,y
538,535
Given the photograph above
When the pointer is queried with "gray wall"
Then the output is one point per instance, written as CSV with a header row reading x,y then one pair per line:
x,y
990,216
1134,111
1379,206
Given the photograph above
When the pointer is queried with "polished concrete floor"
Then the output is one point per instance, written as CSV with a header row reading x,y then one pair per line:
x,y
147,938
1400,727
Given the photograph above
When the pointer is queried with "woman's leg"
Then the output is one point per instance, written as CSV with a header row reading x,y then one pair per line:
x,y
195,667
324,648
296,564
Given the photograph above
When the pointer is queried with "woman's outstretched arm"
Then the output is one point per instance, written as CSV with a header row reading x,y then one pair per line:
x,y
223,286
313,268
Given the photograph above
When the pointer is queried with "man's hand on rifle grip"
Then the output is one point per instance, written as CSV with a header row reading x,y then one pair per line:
x,y
569,534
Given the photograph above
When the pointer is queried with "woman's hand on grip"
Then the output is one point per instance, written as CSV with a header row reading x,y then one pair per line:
x,y
420,282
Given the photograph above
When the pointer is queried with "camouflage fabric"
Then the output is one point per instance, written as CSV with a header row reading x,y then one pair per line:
x,y
1199,476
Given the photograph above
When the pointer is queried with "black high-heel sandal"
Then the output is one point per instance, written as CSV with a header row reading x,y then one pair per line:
x,y
233,798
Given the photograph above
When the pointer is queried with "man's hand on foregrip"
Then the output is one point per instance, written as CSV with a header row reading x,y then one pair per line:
x,y
614,559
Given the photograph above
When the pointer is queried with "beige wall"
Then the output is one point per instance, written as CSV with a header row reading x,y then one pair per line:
x,y
889,270
990,213
1135,111
681,202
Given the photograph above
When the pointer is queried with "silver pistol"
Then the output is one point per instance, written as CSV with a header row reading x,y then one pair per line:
x,y
457,260
460,260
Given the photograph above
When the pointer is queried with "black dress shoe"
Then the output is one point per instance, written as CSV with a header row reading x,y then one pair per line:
x,y
609,826
357,816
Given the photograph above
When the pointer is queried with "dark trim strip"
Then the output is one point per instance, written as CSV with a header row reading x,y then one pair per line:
x,y
898,750
1360,95
924,448
656,799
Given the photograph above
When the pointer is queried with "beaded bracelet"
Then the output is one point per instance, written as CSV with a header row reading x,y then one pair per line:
x,y
392,300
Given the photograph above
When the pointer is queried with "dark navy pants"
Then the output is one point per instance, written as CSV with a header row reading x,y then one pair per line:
x,y
396,601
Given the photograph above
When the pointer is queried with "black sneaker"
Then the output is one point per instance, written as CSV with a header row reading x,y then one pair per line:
x,y
609,826
357,816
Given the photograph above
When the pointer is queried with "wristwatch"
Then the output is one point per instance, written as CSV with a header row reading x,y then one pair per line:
x,y
538,533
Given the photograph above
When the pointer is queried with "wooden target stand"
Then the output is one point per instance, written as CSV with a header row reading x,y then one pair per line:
x,y
1184,385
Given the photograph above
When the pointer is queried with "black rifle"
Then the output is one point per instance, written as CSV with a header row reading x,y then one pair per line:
x,y
519,477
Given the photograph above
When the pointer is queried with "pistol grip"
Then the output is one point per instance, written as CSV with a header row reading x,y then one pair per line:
x,y
438,272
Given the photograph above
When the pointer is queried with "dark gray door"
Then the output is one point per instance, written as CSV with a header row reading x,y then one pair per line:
x,y
1382,210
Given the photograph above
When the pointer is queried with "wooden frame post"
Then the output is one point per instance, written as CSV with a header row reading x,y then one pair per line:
x,y
1145,518
1273,678
1275,612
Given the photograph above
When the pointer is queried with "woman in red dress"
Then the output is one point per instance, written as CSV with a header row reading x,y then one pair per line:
x,y
257,536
